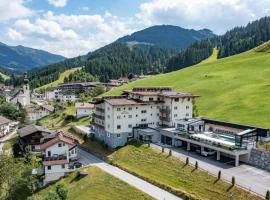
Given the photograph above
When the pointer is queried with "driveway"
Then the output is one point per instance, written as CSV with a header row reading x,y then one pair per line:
x,y
246,176
88,159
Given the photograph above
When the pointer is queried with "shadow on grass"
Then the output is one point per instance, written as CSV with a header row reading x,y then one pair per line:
x,y
216,181
229,188
78,176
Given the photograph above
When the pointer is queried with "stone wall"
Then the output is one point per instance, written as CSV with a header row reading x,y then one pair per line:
x,y
260,158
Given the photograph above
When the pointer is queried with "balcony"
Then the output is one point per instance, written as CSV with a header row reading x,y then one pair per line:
x,y
100,109
165,110
165,119
98,116
55,160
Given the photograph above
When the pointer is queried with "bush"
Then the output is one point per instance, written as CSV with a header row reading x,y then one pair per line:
x,y
196,165
61,191
233,180
187,160
267,196
52,196
219,175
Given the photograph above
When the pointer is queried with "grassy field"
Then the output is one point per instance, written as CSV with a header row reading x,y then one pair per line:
x,y
56,121
172,172
4,76
234,89
97,185
60,79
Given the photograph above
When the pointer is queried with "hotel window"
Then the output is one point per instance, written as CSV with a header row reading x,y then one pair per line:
x,y
187,115
175,107
49,167
118,117
59,145
63,166
130,126
143,111
108,125
108,135
129,108
108,116
136,107
118,109
136,115
175,115
176,100
118,126
108,108
187,107
130,116
118,135
157,114
143,120
151,99
188,99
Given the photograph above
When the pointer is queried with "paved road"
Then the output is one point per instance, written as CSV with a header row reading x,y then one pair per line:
x,y
251,178
88,159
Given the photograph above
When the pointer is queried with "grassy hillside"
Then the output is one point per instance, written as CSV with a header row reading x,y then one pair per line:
x,y
96,185
60,79
5,77
235,89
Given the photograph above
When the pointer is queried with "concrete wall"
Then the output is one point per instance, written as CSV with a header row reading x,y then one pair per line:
x,y
260,158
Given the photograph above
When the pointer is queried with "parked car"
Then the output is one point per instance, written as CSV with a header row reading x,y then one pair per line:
x,y
208,152
75,165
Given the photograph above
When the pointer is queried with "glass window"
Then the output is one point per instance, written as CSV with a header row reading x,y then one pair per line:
x,y
118,126
118,135
63,166
49,167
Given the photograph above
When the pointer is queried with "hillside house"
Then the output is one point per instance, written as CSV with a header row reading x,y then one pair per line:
x,y
84,109
4,126
35,112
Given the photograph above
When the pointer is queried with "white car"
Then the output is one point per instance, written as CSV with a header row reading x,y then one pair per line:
x,y
208,152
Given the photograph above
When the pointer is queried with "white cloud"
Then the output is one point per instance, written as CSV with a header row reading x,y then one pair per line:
x,y
12,9
70,35
218,15
15,35
58,3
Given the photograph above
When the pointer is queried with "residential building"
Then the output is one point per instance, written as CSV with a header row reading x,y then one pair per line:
x,y
37,97
69,96
21,97
4,126
116,116
234,141
32,135
79,87
35,112
53,94
59,150
84,109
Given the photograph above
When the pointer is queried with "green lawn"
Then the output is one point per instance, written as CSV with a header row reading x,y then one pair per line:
x,y
98,185
9,143
60,79
172,172
4,76
56,121
234,89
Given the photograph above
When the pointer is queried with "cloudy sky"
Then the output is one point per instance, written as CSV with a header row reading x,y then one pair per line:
x,y
75,27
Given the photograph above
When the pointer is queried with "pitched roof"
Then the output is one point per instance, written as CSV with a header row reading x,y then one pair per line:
x,y
59,137
48,107
30,129
4,120
123,101
84,105
176,94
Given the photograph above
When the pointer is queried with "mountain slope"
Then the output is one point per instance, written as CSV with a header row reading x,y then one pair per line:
x,y
166,36
18,59
235,89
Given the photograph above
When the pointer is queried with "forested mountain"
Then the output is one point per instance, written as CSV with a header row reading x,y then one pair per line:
x,y
166,36
233,42
18,59
112,61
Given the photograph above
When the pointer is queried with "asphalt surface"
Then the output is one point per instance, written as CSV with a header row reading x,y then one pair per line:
x,y
88,159
246,176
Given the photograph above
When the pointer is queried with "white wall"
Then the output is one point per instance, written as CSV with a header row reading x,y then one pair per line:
x,y
82,112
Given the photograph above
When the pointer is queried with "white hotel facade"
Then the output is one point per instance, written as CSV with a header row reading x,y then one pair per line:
x,y
117,116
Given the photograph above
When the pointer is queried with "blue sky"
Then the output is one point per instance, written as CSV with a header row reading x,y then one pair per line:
x,y
75,27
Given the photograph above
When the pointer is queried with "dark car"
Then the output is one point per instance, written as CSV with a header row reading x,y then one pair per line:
x,y
75,165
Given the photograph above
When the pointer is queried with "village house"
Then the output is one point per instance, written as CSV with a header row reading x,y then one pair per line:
x,y
36,112
32,135
84,109
59,150
4,126
116,116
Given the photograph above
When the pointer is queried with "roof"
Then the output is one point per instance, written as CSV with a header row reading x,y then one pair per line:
x,y
4,120
84,105
176,94
48,107
15,94
30,129
142,93
59,137
123,101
